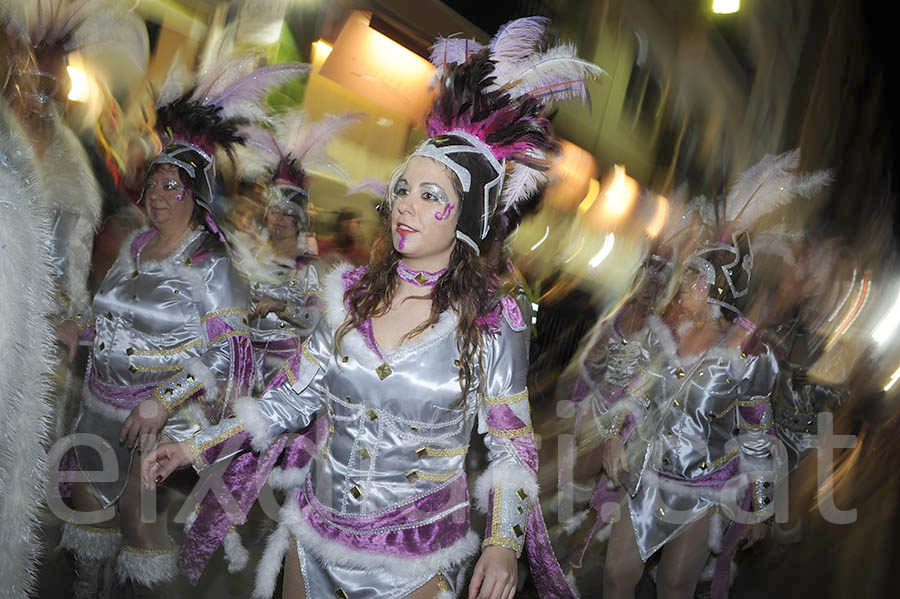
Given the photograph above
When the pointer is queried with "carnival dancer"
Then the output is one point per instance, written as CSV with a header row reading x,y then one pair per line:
x,y
604,369
170,347
283,274
695,443
412,352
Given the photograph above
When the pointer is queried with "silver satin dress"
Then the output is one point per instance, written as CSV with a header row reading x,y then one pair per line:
x,y
698,436
276,336
384,507
175,330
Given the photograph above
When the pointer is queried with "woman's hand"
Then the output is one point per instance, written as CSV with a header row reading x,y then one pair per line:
x,y
145,420
264,305
754,533
614,458
67,334
163,461
496,574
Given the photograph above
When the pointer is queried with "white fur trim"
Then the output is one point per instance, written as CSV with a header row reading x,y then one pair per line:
x,y
510,475
254,423
717,526
353,342
570,580
445,595
328,551
288,478
235,552
28,403
574,523
203,374
147,568
333,295
270,564
189,521
94,544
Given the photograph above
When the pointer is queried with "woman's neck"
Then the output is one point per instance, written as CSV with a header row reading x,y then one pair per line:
x,y
166,240
285,247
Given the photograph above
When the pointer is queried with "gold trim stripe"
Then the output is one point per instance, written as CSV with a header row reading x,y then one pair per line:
x,y
757,427
234,430
503,542
510,433
234,333
308,354
732,406
163,368
437,452
290,375
435,477
506,399
753,402
497,512
172,405
223,312
728,456
199,462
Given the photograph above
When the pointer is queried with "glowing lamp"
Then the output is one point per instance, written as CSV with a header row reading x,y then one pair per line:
x,y
321,50
80,90
726,7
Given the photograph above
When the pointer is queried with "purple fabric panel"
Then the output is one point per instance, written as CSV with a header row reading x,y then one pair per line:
x,y
88,333
417,541
717,479
242,363
580,391
365,330
301,451
313,300
121,397
722,573
548,575
215,327
293,363
513,314
603,495
503,418
244,477
526,450
753,414
627,426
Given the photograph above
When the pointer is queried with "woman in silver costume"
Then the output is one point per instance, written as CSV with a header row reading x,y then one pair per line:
x,y
694,442
283,274
414,352
170,346
694,432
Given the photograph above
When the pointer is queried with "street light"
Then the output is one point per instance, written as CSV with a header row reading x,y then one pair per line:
x,y
726,7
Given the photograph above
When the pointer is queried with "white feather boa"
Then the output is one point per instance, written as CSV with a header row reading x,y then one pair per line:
x,y
26,336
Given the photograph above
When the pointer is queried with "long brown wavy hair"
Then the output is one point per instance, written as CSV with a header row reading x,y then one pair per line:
x,y
470,286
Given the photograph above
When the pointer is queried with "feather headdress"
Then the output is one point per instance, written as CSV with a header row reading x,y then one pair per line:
x,y
209,115
286,157
726,258
488,123
42,33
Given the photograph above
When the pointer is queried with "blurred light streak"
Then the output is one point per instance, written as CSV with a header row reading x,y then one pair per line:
x,y
620,194
659,218
320,52
81,89
846,297
894,378
848,321
726,7
604,252
542,239
887,325
577,250
590,197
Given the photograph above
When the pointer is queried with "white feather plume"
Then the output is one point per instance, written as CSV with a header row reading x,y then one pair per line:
x,y
557,73
518,39
521,183
768,185
453,50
